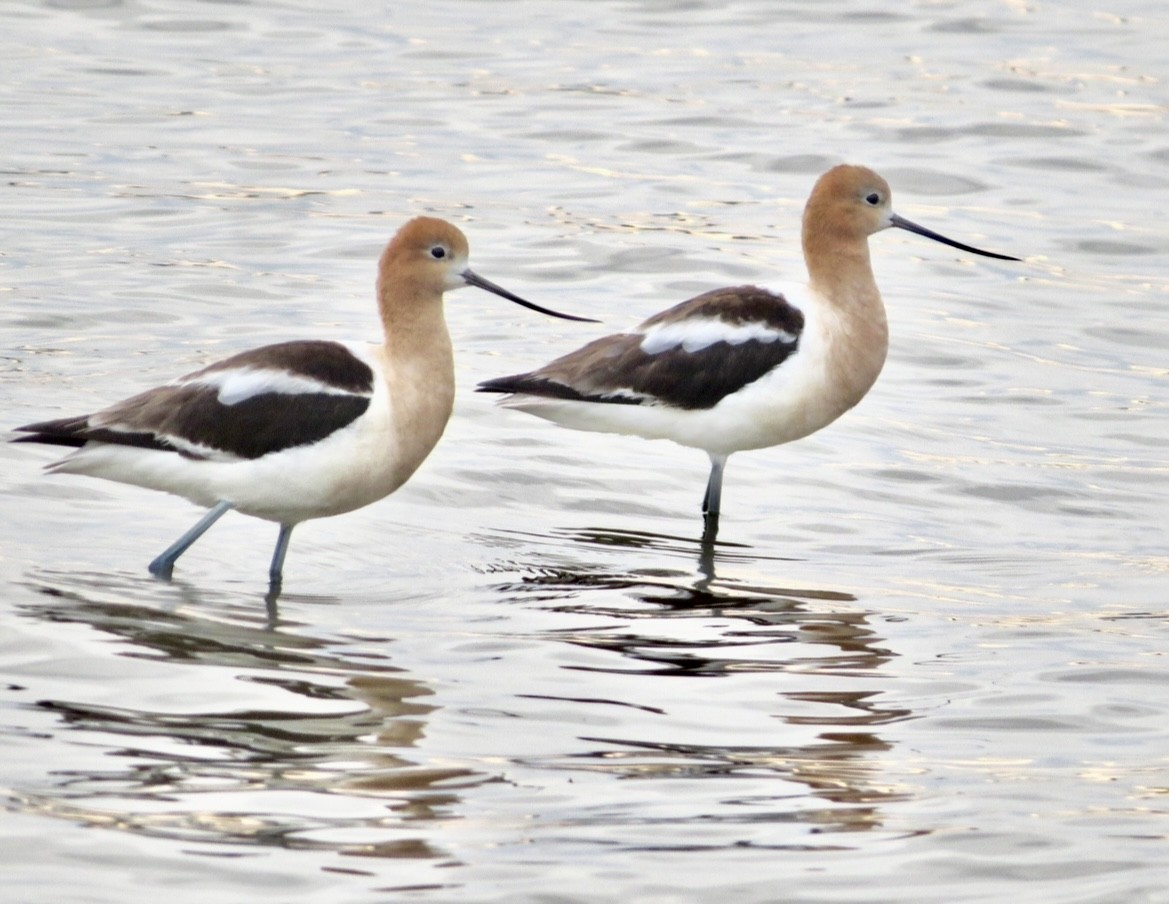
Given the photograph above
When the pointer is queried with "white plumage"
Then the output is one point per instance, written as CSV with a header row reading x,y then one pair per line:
x,y
698,333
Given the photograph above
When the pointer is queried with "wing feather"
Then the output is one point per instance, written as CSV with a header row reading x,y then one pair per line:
x,y
252,404
690,356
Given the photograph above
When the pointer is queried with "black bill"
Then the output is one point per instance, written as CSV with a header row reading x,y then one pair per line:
x,y
474,279
902,223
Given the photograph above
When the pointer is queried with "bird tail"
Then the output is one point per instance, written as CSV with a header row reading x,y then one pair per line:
x,y
66,431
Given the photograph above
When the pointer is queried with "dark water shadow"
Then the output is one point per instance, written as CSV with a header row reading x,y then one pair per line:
x,y
682,577
828,739
346,721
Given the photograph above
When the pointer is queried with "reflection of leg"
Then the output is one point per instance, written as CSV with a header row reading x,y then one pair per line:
x,y
706,552
709,531
164,565
276,571
272,605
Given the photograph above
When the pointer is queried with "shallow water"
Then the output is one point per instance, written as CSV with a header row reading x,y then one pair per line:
x,y
927,660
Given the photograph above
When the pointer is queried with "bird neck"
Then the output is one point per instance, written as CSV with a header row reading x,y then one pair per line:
x,y
839,267
418,361
411,315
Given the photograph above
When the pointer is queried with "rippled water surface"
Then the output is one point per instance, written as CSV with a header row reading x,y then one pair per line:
x,y
927,660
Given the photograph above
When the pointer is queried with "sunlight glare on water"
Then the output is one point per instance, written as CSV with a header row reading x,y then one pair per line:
x,y
926,661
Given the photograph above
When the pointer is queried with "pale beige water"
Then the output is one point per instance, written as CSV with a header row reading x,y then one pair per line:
x,y
930,664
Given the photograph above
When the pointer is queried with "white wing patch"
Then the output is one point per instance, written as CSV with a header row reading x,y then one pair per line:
x,y
695,334
239,385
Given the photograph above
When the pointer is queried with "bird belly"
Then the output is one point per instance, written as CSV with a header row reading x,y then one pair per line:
x,y
754,417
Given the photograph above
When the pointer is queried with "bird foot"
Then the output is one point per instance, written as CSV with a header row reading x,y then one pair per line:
x,y
162,570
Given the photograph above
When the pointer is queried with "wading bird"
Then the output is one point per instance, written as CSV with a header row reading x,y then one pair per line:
x,y
742,368
296,430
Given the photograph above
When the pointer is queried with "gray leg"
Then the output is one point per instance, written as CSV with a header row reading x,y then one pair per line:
x,y
165,563
714,486
710,502
276,571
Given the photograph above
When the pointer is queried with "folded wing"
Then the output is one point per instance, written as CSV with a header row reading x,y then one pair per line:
x,y
690,356
244,407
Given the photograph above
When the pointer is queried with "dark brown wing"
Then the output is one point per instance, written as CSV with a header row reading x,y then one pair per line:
x,y
762,331
284,396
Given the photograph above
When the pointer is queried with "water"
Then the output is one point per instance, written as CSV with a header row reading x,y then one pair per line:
x,y
926,664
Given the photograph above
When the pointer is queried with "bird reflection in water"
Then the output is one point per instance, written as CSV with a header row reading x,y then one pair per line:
x,y
345,727
822,649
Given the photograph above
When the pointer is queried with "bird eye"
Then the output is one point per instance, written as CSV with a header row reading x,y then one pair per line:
x,y
438,252
873,198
